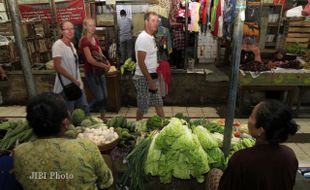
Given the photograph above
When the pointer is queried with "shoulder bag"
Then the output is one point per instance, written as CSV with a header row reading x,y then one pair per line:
x,y
71,90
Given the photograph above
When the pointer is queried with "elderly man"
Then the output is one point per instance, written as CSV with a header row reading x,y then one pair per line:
x,y
146,79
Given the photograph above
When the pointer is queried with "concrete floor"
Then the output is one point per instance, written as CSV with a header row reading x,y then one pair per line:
x,y
302,150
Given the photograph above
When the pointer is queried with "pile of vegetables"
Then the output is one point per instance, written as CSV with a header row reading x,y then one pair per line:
x,y
133,132
293,64
182,149
129,66
81,121
126,130
296,48
16,132
100,136
156,123
176,152
255,66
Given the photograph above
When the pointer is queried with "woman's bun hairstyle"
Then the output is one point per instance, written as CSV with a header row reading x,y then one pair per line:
x,y
45,113
276,119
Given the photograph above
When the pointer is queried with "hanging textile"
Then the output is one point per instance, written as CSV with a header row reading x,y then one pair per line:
x,y
194,8
204,15
173,10
229,12
164,4
178,39
181,15
164,42
216,16
220,20
159,10
164,73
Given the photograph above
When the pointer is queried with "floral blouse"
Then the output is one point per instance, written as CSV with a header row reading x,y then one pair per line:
x,y
58,163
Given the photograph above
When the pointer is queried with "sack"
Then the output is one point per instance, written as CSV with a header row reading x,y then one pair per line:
x,y
72,91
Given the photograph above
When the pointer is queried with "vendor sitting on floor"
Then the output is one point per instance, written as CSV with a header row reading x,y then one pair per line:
x,y
268,165
250,51
53,162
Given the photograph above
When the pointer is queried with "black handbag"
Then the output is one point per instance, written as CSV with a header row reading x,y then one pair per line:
x,y
71,90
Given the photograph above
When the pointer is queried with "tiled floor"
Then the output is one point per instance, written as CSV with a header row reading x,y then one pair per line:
x,y
302,150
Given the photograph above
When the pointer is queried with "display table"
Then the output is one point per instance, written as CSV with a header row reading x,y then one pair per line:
x,y
287,80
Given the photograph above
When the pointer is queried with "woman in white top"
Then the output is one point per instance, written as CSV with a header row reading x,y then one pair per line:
x,y
66,64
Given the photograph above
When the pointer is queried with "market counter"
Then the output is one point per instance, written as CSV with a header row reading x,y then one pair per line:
x,y
290,81
14,90
16,93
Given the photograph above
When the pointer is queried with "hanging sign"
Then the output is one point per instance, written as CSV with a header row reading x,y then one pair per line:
x,y
73,11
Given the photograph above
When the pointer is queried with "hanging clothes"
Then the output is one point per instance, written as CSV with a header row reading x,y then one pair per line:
x,y
215,20
173,10
194,8
213,13
165,4
220,20
164,12
165,43
204,15
164,74
228,13
178,39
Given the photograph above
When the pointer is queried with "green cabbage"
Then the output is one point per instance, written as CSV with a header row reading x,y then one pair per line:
x,y
176,151
207,141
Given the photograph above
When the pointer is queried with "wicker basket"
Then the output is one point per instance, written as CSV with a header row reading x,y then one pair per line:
x,y
106,148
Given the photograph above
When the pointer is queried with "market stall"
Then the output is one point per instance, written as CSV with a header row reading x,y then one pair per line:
x,y
149,154
290,81
286,70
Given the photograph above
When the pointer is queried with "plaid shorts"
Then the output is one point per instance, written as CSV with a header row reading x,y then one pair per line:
x,y
144,97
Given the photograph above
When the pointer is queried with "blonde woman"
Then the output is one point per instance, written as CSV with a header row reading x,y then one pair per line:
x,y
90,49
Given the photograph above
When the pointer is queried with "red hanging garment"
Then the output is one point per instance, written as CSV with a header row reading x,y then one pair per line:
x,y
164,70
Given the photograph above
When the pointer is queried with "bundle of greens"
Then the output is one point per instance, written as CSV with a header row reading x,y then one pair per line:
x,y
135,176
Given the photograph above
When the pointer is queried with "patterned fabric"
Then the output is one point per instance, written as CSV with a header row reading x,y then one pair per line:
x,y
164,4
178,39
144,97
229,12
173,10
59,163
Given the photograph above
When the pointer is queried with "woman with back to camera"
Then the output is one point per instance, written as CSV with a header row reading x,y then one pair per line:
x,y
53,162
268,165
66,65
89,46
